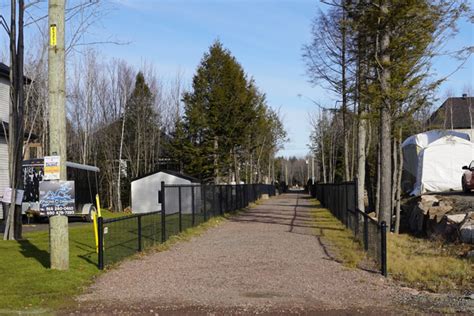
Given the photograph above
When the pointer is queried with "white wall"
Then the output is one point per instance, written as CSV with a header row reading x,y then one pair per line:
x,y
4,98
4,110
4,177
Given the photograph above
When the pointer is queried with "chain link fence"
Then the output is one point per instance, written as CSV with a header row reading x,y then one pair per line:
x,y
178,208
341,200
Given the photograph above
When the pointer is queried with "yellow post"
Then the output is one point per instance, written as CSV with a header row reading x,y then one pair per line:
x,y
96,215
97,200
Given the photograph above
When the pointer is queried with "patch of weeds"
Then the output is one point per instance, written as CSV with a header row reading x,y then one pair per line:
x,y
428,265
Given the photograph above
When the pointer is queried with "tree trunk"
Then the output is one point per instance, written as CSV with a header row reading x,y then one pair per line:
x,y
361,158
385,129
377,190
323,159
344,95
399,183
216,160
13,229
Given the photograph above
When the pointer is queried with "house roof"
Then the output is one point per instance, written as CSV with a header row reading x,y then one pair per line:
x,y
4,127
454,113
5,73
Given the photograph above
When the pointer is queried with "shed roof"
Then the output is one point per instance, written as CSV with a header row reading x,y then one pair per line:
x,y
173,173
454,113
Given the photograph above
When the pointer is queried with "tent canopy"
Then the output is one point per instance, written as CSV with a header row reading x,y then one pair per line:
x,y
422,140
412,148
440,164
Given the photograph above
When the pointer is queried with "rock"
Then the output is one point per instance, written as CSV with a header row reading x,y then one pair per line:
x,y
466,230
455,218
428,200
470,255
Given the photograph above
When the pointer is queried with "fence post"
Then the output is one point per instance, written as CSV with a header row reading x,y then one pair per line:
x,y
163,213
232,198
383,239
366,232
179,209
221,211
346,189
356,206
193,207
213,200
139,226
204,202
100,224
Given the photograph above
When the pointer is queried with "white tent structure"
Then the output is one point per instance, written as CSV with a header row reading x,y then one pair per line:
x,y
435,158
145,192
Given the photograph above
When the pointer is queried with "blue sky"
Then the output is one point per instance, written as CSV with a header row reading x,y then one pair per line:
x,y
265,36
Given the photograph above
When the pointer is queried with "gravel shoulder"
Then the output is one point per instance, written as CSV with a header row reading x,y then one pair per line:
x,y
265,261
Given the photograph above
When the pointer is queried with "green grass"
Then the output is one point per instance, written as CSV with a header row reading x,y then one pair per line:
x,y
28,285
27,282
108,214
332,232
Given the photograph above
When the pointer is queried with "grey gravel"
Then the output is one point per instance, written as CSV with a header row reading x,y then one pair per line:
x,y
266,260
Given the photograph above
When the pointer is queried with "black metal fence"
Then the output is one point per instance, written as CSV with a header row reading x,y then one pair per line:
x,y
341,200
178,207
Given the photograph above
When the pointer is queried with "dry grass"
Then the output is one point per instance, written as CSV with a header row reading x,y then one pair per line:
x,y
414,262
332,232
428,265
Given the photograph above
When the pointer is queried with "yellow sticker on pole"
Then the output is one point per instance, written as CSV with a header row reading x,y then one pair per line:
x,y
52,35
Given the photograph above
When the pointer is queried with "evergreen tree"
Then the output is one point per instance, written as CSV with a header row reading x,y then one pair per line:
x,y
213,113
226,124
141,129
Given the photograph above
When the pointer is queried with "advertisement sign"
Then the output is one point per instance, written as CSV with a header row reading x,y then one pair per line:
x,y
57,198
51,168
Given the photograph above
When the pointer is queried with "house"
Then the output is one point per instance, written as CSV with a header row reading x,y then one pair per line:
x,y
455,114
4,118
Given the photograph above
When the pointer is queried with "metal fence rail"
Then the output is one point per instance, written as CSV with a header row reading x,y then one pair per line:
x,y
179,208
341,200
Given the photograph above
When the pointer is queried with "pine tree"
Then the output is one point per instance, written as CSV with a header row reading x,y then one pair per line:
x,y
213,113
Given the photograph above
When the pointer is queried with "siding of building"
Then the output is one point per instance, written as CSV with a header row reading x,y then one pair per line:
x,y
4,109
4,178
4,99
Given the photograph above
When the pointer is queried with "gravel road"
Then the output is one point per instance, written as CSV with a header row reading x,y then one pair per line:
x,y
264,261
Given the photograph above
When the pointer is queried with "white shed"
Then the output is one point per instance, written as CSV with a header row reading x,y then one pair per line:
x,y
145,192
439,164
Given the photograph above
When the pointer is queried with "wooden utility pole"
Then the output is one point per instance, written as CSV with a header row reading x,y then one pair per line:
x,y
58,224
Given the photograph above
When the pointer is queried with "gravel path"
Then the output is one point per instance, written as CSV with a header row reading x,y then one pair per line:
x,y
263,261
